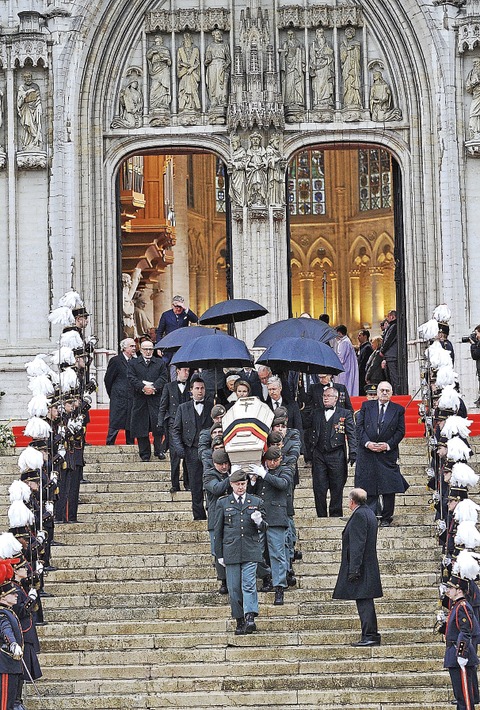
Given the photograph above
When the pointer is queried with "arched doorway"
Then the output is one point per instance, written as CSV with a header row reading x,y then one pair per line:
x,y
345,232
172,237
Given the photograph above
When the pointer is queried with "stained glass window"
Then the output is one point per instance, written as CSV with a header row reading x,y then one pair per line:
x,y
220,185
375,179
306,183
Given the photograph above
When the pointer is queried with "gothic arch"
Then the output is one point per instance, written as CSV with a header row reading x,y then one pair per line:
x,y
360,252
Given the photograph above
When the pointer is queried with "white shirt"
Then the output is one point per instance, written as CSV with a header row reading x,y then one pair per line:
x,y
329,414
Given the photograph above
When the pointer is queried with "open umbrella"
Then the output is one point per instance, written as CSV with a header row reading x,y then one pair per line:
x,y
301,355
234,310
208,353
182,336
294,328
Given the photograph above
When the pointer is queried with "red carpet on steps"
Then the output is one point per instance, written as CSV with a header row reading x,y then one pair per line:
x,y
97,429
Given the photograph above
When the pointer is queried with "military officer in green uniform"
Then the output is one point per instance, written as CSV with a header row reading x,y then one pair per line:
x,y
239,539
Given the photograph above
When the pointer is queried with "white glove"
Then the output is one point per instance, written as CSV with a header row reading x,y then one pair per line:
x,y
255,470
16,651
442,588
261,471
39,568
256,516
462,662
441,526
54,477
221,561
33,594
62,451
41,536
49,507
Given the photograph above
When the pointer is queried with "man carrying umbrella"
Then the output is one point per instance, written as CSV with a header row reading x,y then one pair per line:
x,y
178,317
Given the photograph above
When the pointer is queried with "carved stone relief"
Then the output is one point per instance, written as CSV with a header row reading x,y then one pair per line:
x,y
292,69
159,61
322,73
472,86
130,102
188,73
381,100
217,63
30,118
351,61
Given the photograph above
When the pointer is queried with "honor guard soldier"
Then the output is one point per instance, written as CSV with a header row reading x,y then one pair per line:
x,y
11,640
461,637
239,541
24,607
216,484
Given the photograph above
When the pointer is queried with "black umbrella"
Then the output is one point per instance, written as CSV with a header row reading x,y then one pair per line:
x,y
234,310
295,328
208,353
182,336
301,355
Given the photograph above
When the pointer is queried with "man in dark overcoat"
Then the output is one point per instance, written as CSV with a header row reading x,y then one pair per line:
x,y
147,376
359,574
380,429
191,418
174,394
120,393
332,427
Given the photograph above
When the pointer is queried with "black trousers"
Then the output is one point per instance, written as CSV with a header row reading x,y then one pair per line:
x,y
195,478
458,689
368,619
392,373
175,461
383,508
144,448
329,473
66,507
8,689
112,435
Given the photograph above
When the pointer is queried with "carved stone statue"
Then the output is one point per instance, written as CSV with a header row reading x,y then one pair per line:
x,y
217,63
275,174
381,101
1,108
292,67
256,169
322,71
350,56
29,107
236,168
131,106
142,321
159,63
129,285
188,72
472,86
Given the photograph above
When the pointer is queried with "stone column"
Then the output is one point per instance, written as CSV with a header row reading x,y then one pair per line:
x,y
334,297
378,307
180,275
306,292
202,291
355,317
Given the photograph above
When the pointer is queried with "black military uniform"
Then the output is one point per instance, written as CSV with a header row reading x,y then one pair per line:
x,y
11,639
216,484
24,608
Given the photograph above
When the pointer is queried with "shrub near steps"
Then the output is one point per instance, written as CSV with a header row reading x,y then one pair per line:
x,y
136,621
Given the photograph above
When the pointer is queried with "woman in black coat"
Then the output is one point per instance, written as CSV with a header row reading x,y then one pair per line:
x,y
374,372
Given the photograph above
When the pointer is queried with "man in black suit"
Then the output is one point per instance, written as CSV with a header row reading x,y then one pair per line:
x,y
390,350
332,427
147,376
174,394
364,352
359,574
315,393
118,389
191,418
277,398
380,429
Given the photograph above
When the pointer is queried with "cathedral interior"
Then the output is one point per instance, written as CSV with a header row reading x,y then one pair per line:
x,y
174,225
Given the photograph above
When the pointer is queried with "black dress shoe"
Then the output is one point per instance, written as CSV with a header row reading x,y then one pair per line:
x,y
50,568
46,594
291,579
84,480
279,592
174,490
54,543
250,625
365,643
384,523
298,555
223,588
267,585
161,456
240,630
186,488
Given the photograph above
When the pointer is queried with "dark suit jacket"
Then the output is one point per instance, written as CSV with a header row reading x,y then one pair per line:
x,y
364,353
294,416
119,391
389,346
169,322
315,396
170,401
188,425
343,430
379,472
145,406
359,556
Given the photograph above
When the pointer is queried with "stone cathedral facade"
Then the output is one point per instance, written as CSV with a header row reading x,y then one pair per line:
x,y
86,85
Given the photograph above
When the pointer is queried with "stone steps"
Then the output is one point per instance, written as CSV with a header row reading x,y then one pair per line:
x,y
137,621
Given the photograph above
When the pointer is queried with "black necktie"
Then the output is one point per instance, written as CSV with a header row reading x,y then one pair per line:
x,y
240,500
381,415
276,405
329,409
